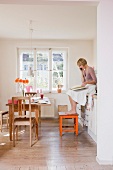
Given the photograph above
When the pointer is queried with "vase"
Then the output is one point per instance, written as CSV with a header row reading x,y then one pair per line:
x,y
59,90
29,88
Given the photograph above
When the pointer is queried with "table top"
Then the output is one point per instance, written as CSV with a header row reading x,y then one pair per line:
x,y
37,101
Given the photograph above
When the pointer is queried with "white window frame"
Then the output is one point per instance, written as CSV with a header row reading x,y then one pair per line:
x,y
19,50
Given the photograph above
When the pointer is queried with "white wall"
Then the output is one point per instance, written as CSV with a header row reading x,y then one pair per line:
x,y
95,53
105,82
8,64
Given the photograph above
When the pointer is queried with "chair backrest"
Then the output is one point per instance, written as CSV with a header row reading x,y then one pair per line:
x,y
23,105
30,94
62,108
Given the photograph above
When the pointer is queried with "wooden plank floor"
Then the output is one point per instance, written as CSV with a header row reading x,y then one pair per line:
x,y
51,152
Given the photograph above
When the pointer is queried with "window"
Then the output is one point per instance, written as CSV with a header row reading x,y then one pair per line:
x,y
45,68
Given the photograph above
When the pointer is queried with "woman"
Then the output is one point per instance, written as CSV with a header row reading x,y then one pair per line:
x,y
89,81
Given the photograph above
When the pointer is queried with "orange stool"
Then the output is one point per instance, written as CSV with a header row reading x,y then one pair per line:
x,y
62,115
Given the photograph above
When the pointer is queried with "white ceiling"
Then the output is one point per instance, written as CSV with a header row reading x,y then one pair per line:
x,y
72,21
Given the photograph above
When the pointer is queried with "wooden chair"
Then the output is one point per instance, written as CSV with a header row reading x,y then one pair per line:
x,y
2,113
30,94
61,111
22,119
62,108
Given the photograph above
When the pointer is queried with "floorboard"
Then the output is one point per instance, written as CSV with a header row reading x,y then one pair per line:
x,y
51,152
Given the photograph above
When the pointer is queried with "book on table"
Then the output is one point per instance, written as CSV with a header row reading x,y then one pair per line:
x,y
75,88
42,102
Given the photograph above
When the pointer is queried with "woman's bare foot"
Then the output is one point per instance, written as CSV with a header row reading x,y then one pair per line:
x,y
71,112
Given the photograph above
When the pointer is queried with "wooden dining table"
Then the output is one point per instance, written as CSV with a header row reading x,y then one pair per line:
x,y
35,107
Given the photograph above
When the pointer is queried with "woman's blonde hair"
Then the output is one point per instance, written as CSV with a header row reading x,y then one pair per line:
x,y
81,61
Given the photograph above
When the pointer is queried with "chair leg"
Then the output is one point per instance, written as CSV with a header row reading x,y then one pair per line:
x,y
7,121
30,135
1,122
36,126
13,135
39,119
17,133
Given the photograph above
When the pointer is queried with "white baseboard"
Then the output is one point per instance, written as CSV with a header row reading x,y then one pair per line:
x,y
94,137
104,162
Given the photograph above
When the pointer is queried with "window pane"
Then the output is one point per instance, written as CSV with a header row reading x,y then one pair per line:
x,y
23,75
57,78
42,66
42,80
59,68
26,61
42,60
58,60
26,64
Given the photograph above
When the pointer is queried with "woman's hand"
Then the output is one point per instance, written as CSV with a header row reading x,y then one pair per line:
x,y
88,82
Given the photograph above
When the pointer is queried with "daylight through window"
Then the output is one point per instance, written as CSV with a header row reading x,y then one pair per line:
x,y
45,68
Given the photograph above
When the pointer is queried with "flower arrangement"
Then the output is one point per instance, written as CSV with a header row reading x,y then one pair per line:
x,y
22,83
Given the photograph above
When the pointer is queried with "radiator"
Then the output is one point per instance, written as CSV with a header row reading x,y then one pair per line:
x,y
48,111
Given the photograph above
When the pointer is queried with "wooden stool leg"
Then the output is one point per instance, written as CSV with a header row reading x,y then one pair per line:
x,y
76,125
60,126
